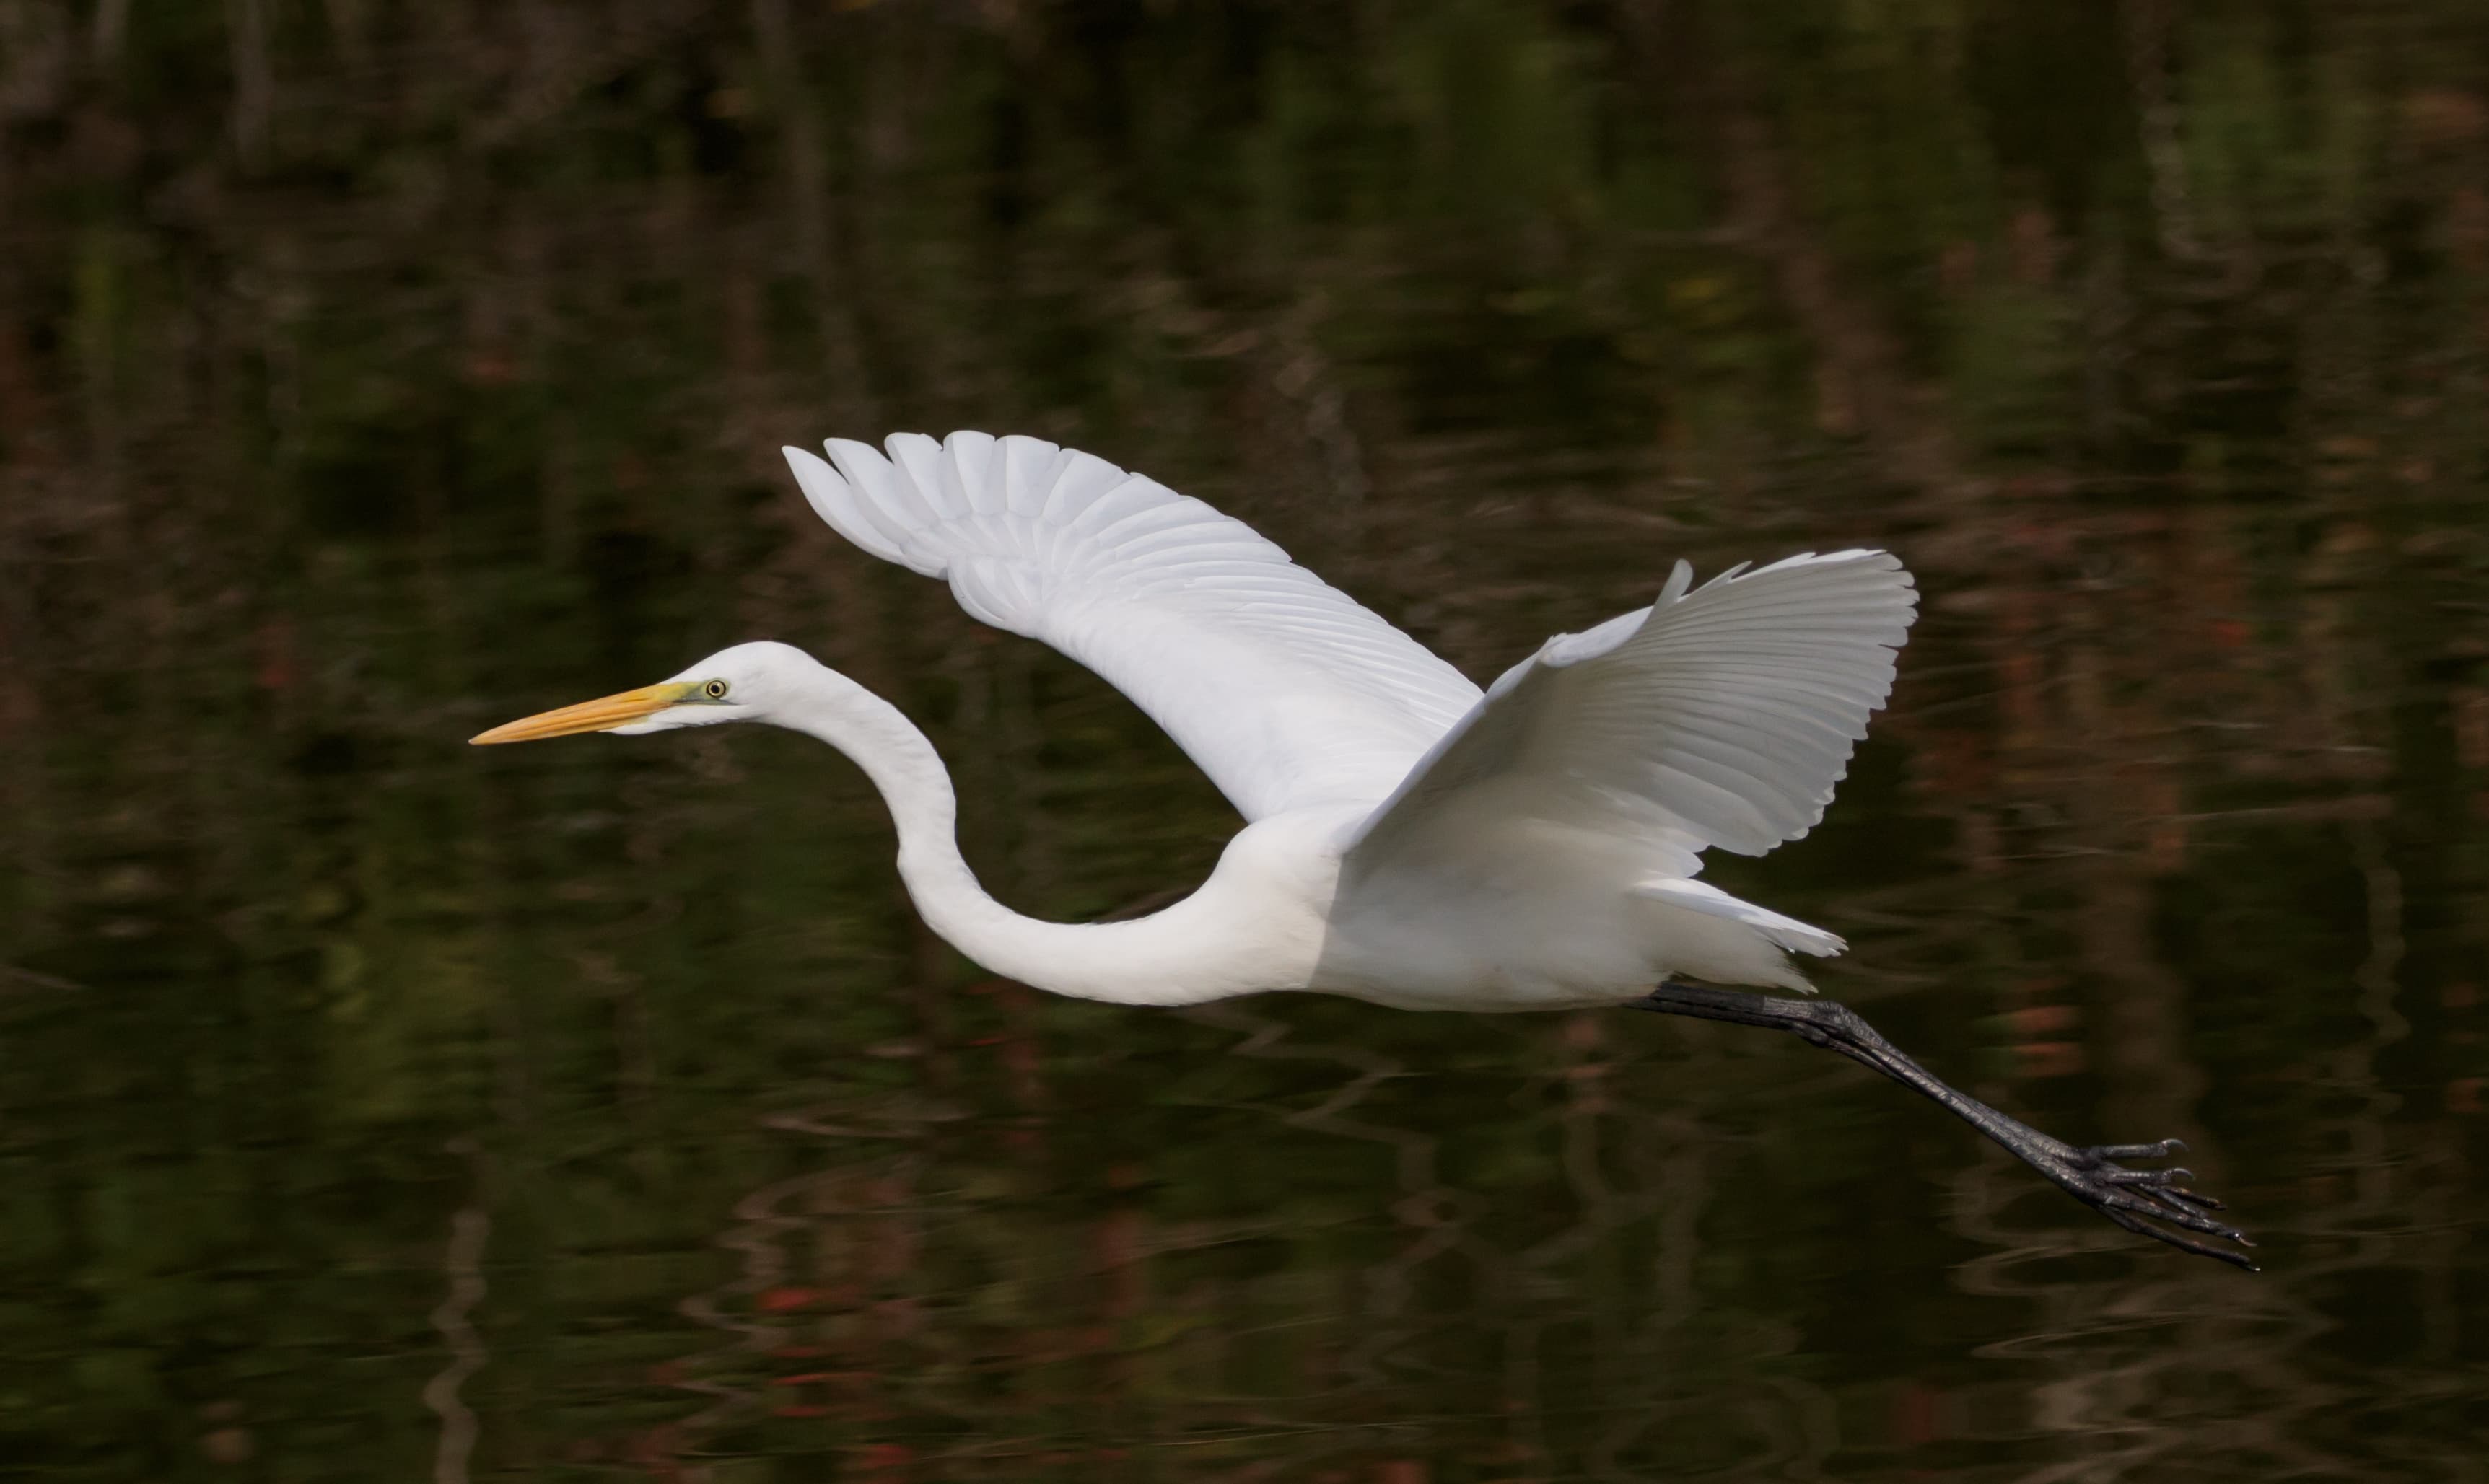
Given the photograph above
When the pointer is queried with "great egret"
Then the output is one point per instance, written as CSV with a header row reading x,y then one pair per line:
x,y
1409,841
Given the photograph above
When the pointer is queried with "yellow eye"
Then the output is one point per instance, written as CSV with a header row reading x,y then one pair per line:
x,y
715,690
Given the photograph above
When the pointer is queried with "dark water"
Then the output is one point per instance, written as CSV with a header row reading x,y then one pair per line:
x,y
372,1108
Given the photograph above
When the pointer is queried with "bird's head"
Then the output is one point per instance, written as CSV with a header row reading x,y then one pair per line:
x,y
742,684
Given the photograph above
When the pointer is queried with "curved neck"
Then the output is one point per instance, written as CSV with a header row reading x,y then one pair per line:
x,y
1187,954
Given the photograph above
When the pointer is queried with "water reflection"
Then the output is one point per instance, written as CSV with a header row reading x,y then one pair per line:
x,y
367,374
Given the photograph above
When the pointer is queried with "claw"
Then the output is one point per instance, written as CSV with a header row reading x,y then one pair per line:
x,y
2169,1178
2101,1153
2183,1244
2153,1203
2175,1216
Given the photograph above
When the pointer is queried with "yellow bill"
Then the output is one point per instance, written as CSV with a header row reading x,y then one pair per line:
x,y
600,715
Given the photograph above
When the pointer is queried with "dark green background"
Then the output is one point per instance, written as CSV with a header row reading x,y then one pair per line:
x,y
372,372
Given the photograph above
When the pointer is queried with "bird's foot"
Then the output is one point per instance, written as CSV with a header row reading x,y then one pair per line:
x,y
2149,1202
2155,1203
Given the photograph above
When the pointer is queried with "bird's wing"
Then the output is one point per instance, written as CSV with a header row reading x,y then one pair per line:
x,y
1718,716
1284,689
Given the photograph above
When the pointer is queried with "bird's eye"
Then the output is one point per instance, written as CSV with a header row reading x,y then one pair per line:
x,y
715,690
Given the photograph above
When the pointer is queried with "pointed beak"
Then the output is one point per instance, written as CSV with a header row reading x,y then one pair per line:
x,y
601,715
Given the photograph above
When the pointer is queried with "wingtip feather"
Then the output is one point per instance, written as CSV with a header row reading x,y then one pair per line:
x,y
834,499
869,501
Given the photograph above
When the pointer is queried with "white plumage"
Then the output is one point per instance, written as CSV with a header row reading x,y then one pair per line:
x,y
1536,844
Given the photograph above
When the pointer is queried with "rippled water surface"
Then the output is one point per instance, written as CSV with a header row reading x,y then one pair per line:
x,y
374,1107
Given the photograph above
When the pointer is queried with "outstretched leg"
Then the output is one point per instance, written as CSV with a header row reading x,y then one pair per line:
x,y
2144,1201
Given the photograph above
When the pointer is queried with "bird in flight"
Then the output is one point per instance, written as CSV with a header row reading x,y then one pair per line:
x,y
1408,839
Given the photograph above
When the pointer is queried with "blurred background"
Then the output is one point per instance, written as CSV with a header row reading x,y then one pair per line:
x,y
372,372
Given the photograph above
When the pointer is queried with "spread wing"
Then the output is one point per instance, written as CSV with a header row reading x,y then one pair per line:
x,y
1720,716
1280,687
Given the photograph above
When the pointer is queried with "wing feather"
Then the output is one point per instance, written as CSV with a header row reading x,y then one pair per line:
x,y
1282,688
1721,715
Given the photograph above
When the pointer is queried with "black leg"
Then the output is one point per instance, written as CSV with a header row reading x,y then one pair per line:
x,y
2144,1201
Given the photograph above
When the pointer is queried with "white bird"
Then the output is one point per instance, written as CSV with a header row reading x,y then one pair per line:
x,y
1408,841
